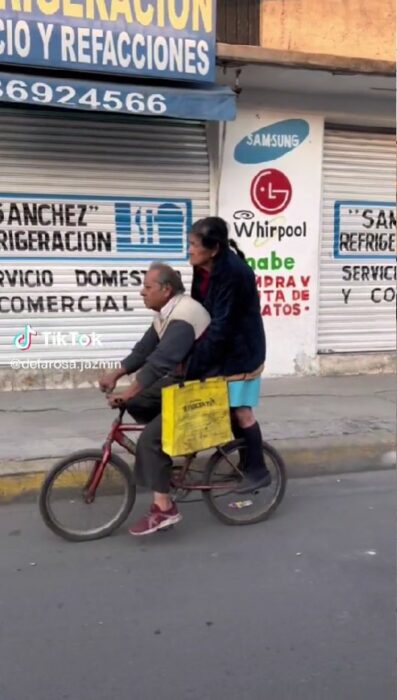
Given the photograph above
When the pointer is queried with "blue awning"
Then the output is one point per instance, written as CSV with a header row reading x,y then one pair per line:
x,y
212,103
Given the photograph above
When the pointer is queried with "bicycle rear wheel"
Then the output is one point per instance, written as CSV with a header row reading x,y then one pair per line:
x,y
64,508
222,476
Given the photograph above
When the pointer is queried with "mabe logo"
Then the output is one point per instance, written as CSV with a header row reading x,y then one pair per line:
x,y
271,142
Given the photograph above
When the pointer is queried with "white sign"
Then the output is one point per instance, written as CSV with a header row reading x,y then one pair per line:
x,y
271,196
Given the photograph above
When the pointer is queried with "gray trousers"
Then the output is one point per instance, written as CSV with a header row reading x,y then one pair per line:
x,y
152,465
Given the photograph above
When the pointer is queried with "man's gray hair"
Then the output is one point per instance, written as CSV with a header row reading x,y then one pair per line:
x,y
168,277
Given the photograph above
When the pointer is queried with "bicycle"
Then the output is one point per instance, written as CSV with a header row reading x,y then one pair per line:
x,y
85,479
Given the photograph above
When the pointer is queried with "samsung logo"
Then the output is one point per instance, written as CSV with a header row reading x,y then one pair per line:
x,y
271,142
274,140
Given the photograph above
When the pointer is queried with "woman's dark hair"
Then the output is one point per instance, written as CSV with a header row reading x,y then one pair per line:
x,y
214,233
239,252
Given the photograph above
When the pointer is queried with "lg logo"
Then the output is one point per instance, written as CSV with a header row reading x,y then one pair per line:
x,y
271,191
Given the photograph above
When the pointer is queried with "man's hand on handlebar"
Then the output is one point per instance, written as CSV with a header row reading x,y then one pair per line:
x,y
108,380
107,383
119,399
116,400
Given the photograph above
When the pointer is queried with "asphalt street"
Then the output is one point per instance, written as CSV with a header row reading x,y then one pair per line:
x,y
299,608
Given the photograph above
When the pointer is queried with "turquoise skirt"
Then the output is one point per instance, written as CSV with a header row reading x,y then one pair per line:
x,y
244,393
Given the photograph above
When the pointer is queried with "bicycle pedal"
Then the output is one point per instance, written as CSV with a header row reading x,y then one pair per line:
x,y
165,529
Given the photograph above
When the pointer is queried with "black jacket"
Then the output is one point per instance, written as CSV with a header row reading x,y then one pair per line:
x,y
235,341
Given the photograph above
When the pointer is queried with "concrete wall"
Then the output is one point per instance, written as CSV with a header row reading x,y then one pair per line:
x,y
354,28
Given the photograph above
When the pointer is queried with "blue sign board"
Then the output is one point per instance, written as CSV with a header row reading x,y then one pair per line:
x,y
212,103
91,228
364,230
173,39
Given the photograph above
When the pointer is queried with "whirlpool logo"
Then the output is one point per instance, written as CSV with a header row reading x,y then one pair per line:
x,y
271,142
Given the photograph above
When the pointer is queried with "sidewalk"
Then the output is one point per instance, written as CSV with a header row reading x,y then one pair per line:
x,y
321,425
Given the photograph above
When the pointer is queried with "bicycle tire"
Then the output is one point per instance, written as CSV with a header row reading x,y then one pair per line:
x,y
69,534
211,500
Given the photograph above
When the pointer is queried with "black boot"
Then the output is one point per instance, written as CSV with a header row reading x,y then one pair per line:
x,y
239,435
256,474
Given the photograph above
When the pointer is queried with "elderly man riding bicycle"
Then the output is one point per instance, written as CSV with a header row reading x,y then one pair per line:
x,y
157,359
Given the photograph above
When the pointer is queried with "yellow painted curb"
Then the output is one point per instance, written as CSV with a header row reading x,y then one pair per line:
x,y
22,486
16,486
302,460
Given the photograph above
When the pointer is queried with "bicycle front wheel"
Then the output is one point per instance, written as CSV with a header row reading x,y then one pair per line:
x,y
222,476
62,501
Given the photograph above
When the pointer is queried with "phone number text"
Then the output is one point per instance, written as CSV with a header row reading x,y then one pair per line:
x,y
79,97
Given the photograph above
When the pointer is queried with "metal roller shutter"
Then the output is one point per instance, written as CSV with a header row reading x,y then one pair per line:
x,y
53,155
357,268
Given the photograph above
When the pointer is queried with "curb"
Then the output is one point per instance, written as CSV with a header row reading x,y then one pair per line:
x,y
20,481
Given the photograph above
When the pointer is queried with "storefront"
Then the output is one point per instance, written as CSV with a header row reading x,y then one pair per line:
x,y
99,178
311,202
358,245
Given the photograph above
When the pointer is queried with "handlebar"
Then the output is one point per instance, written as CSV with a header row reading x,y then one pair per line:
x,y
122,410
121,406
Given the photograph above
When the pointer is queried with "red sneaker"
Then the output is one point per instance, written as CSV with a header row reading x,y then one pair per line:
x,y
156,519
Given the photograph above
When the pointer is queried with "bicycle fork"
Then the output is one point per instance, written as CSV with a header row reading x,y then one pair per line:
x,y
115,435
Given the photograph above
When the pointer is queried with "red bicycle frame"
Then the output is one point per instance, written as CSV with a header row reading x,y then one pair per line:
x,y
117,434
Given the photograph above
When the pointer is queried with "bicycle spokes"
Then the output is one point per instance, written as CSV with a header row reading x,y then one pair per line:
x,y
87,495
